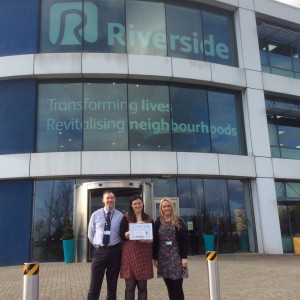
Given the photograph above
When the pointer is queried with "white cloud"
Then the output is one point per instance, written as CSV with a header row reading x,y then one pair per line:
x,y
295,3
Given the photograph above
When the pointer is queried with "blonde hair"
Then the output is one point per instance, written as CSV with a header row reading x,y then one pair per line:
x,y
174,217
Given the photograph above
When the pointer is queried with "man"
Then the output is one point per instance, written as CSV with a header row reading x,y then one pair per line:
x,y
104,234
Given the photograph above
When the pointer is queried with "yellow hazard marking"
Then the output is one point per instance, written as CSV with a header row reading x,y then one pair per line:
x,y
213,255
31,269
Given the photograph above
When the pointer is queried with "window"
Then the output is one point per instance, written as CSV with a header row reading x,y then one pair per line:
x,y
105,116
138,27
288,198
185,38
59,117
52,206
220,207
108,115
225,123
106,30
279,49
190,122
146,28
219,42
149,117
284,127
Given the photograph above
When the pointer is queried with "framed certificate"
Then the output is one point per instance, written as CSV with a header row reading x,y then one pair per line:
x,y
140,231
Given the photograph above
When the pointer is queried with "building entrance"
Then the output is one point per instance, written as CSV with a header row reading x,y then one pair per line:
x,y
88,198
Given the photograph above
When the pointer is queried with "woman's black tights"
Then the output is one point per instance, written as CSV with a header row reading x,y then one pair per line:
x,y
130,289
174,287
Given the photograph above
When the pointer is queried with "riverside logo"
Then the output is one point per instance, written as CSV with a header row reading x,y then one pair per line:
x,y
67,21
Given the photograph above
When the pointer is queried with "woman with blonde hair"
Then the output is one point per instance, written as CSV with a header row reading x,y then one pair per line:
x,y
170,248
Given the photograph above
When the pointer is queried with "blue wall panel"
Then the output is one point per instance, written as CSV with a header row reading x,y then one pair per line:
x,y
15,221
17,116
19,23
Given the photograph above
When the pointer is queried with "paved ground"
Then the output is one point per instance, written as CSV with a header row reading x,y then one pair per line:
x,y
242,277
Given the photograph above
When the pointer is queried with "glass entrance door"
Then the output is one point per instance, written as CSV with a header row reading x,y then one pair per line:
x,y
88,198
122,198
289,216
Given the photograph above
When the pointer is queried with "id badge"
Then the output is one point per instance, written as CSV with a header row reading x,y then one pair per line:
x,y
106,232
169,243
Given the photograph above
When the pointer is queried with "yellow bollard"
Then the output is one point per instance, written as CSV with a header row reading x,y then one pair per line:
x,y
213,275
296,241
31,281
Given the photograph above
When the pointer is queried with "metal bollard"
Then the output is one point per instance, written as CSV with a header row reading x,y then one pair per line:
x,y
31,281
213,275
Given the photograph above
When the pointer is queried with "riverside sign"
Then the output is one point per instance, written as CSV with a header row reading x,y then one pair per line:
x,y
66,28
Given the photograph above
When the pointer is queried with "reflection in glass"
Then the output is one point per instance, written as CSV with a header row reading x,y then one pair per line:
x,y
284,128
263,50
59,117
285,228
289,212
190,124
296,58
280,191
289,133
295,219
293,190
105,116
217,213
165,186
225,123
145,28
109,31
241,217
52,206
273,131
184,30
101,117
137,27
222,208
219,39
280,55
149,117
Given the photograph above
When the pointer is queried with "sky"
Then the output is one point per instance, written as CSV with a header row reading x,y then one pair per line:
x,y
291,2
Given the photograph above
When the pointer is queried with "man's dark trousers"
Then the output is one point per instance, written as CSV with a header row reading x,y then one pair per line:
x,y
109,259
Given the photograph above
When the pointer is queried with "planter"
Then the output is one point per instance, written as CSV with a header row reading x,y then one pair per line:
x,y
68,246
243,242
209,242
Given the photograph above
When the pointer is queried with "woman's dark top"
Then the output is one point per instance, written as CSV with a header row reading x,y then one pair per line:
x,y
182,236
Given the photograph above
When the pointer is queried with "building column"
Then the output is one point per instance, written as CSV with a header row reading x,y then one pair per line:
x,y
266,214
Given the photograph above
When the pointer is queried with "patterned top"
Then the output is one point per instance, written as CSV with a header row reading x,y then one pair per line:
x,y
136,257
169,261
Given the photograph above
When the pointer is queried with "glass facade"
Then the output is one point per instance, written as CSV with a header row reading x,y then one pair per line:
x,y
138,116
219,202
279,50
288,199
53,204
283,117
138,27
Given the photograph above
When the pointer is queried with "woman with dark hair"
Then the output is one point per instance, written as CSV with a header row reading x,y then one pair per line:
x,y
136,265
170,248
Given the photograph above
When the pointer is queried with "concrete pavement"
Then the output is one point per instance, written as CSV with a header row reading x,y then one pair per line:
x,y
242,277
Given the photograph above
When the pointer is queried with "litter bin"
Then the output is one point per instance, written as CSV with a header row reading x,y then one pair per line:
x,y
296,241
